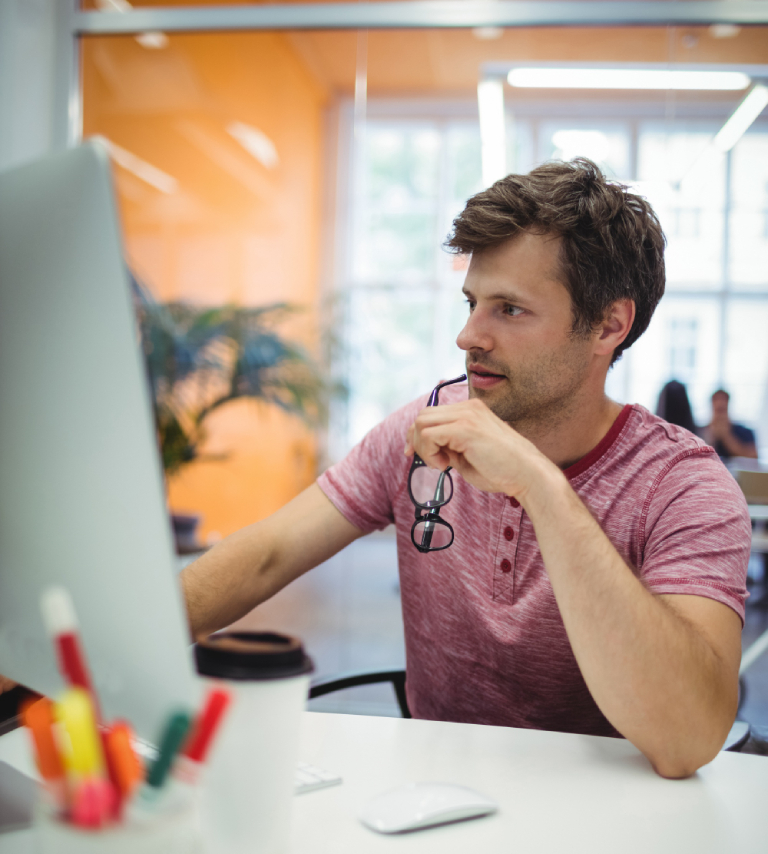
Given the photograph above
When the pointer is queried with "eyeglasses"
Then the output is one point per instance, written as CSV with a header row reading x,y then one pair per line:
x,y
430,490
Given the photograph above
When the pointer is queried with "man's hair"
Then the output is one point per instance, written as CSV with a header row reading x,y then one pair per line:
x,y
612,242
720,391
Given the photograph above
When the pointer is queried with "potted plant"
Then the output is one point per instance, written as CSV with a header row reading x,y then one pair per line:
x,y
201,358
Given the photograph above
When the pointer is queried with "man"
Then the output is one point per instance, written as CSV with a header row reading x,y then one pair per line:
x,y
596,582
728,439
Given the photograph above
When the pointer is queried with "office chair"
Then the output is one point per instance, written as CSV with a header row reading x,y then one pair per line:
x,y
320,687
737,738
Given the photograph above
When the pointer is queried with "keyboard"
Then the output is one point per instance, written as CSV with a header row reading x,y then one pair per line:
x,y
310,777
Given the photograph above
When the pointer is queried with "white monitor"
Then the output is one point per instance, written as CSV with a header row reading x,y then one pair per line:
x,y
82,501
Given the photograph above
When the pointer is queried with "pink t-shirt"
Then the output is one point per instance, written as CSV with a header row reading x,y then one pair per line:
x,y
485,642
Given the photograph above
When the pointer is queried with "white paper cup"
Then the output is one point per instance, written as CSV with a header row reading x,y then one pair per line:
x,y
248,781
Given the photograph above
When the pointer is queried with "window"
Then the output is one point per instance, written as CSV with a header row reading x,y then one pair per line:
x,y
403,306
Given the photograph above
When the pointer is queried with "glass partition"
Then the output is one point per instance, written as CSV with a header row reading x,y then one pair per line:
x,y
323,169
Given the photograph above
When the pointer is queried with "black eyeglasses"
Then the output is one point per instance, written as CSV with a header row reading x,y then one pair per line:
x,y
430,490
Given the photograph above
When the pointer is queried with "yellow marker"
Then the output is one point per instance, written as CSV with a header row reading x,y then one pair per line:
x,y
83,755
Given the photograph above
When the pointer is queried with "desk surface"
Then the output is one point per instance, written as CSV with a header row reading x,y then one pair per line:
x,y
558,793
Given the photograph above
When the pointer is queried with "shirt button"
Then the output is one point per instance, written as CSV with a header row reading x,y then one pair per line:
x,y
509,533
506,566
513,501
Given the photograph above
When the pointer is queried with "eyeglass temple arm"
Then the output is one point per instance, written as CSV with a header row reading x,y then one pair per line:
x,y
433,398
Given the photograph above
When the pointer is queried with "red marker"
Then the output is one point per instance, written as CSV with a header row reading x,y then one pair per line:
x,y
193,754
61,623
206,725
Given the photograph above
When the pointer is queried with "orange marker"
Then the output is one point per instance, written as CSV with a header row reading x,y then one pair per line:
x,y
125,767
37,716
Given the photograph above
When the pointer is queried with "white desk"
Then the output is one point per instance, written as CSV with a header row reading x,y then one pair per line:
x,y
558,793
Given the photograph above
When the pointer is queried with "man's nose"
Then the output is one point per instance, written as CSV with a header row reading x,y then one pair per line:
x,y
475,335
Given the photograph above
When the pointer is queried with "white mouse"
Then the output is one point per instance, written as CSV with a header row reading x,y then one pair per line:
x,y
418,805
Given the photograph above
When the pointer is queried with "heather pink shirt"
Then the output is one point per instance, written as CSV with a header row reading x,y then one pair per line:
x,y
485,642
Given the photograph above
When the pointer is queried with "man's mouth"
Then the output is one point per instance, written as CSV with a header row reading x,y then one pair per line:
x,y
480,377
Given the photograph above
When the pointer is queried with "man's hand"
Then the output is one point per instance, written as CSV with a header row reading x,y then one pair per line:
x,y
720,428
482,448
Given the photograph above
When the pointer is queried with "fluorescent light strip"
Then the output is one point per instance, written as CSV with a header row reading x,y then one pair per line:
x,y
490,104
626,78
742,117
256,143
140,168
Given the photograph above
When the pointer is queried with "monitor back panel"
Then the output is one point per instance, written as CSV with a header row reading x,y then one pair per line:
x,y
81,494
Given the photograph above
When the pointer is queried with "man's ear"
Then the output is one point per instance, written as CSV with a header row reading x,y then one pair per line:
x,y
615,326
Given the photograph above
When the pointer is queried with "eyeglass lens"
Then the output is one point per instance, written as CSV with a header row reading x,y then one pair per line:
x,y
432,534
430,487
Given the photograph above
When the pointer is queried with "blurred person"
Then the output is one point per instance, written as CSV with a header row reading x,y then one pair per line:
x,y
673,406
726,437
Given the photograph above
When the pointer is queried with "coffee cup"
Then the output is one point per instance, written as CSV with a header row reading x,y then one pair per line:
x,y
248,781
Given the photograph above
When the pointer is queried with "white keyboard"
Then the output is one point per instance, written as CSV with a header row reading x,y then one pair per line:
x,y
310,777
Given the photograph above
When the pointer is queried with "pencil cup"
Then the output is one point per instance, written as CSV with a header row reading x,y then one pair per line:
x,y
248,782
174,833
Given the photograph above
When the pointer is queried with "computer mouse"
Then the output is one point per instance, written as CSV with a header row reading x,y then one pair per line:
x,y
419,805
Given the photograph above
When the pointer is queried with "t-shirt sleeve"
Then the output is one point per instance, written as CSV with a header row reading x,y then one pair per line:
x,y
363,485
697,533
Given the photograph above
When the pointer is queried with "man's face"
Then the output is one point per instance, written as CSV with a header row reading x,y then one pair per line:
x,y
720,405
522,359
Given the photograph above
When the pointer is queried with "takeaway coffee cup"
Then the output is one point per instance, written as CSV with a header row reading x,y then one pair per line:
x,y
248,783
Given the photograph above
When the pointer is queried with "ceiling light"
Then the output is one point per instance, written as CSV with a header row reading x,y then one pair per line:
x,y
730,133
256,143
151,39
742,117
487,34
625,78
140,168
493,145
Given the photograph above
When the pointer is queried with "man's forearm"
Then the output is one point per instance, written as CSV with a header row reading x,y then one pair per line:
x,y
226,582
654,676
253,564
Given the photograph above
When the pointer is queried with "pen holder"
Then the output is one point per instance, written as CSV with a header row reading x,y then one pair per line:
x,y
176,832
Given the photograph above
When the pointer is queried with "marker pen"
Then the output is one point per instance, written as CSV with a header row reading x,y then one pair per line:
x,y
201,737
172,739
127,770
84,759
61,622
37,716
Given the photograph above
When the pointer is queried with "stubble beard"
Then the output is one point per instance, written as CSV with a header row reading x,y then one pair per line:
x,y
537,398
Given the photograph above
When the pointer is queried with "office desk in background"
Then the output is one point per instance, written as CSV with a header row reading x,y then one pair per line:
x,y
558,793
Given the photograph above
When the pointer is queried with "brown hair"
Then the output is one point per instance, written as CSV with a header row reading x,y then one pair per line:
x,y
612,242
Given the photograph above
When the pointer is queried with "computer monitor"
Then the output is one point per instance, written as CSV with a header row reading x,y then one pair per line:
x,y
82,500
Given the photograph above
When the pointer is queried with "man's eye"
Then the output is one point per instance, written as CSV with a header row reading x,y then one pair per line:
x,y
471,304
513,310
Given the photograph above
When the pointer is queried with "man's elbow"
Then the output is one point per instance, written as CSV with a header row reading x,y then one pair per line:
x,y
684,757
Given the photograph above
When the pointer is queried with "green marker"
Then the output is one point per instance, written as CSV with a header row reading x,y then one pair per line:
x,y
173,736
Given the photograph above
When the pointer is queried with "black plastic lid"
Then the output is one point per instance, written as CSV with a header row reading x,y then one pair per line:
x,y
251,656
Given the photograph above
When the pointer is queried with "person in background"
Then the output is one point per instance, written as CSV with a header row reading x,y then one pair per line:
x,y
727,438
674,406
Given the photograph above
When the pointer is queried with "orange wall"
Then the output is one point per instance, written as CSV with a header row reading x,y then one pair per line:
x,y
233,230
